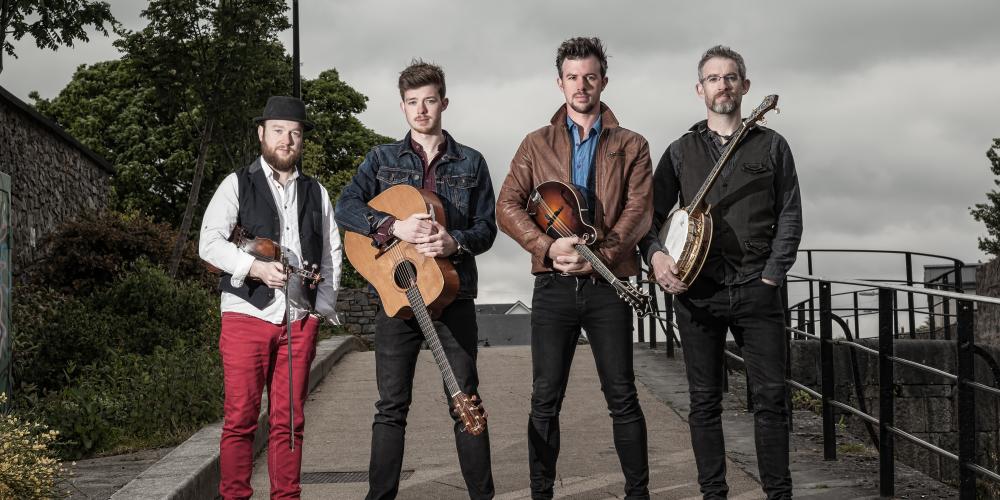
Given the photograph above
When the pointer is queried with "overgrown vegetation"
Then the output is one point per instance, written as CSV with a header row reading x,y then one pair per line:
x,y
29,469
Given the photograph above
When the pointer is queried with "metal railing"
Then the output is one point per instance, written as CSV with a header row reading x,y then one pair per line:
x,y
888,311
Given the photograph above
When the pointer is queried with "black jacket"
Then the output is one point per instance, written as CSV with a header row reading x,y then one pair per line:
x,y
756,209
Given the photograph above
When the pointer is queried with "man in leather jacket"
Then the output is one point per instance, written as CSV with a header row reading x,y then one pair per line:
x,y
585,146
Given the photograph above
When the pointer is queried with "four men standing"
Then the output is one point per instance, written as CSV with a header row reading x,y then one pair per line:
x,y
758,224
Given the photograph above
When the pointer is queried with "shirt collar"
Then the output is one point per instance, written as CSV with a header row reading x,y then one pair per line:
x,y
595,130
269,172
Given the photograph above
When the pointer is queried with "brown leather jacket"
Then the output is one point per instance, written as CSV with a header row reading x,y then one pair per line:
x,y
622,183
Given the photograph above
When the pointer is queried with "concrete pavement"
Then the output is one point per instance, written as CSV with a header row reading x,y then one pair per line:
x,y
338,434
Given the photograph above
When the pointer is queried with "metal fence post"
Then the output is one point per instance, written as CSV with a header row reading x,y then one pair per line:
x,y
966,402
668,312
826,370
642,325
652,320
909,296
886,382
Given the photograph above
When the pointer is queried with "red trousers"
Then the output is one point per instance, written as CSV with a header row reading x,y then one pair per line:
x,y
254,355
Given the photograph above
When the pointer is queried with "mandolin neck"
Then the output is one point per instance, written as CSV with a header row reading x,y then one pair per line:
x,y
597,264
430,334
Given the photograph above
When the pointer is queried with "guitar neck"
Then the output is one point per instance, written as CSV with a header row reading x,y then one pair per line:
x,y
717,169
430,334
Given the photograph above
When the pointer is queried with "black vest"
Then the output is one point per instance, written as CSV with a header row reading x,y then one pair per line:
x,y
742,199
258,214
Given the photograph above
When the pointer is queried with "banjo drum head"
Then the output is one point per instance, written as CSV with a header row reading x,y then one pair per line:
x,y
676,233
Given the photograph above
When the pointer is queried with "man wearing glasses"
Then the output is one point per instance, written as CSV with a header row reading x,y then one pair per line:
x,y
757,225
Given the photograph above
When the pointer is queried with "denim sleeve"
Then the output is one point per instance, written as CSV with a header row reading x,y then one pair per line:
x,y
666,191
788,226
353,212
480,235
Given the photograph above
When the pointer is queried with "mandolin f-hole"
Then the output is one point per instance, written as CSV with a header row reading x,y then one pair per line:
x,y
404,274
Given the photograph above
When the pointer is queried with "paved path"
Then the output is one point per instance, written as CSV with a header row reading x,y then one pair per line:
x,y
338,433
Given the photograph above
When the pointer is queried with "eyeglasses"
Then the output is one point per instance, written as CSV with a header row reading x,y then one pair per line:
x,y
731,79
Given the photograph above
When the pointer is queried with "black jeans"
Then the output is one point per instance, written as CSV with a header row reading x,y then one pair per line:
x,y
397,343
560,306
754,314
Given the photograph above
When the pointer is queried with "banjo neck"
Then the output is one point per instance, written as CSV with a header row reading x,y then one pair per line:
x,y
727,153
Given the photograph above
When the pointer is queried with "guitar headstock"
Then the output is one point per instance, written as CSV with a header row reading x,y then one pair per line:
x,y
770,102
470,411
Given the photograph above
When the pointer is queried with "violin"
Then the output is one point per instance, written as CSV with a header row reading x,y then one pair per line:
x,y
267,250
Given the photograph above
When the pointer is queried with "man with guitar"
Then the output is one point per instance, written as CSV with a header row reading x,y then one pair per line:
x,y
270,199
757,225
609,167
427,157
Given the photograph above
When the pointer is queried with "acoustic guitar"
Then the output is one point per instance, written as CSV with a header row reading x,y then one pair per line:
x,y
558,208
413,285
687,235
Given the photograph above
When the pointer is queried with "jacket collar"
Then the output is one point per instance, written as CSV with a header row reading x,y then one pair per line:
x,y
451,151
608,119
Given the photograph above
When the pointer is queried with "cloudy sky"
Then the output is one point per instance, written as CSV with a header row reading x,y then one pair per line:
x,y
889,107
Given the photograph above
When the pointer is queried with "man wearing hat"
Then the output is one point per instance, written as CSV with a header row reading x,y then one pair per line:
x,y
270,198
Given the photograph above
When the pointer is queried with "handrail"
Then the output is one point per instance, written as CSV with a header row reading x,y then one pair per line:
x,y
902,288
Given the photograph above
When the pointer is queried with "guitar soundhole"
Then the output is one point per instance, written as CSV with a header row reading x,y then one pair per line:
x,y
405,274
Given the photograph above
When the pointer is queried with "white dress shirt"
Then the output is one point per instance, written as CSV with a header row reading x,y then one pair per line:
x,y
216,249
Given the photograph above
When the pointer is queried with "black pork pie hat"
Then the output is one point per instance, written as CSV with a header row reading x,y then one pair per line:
x,y
280,107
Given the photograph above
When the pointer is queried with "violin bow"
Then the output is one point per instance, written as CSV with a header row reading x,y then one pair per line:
x,y
288,335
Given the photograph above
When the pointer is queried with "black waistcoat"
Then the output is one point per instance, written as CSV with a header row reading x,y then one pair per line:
x,y
258,214
742,200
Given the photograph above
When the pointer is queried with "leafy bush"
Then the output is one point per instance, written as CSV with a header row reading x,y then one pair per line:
x,y
129,400
28,467
90,251
134,363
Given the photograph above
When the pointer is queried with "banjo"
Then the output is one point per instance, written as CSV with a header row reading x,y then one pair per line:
x,y
687,235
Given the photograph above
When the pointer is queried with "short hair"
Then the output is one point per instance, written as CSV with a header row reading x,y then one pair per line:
x,y
726,53
420,73
582,47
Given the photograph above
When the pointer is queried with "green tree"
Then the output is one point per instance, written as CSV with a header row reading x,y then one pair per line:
x,y
989,213
52,23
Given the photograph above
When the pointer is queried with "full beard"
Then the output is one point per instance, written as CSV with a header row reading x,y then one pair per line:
x,y
727,107
279,163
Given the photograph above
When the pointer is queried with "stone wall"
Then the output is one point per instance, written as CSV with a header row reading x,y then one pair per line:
x,y
356,308
53,177
988,315
926,404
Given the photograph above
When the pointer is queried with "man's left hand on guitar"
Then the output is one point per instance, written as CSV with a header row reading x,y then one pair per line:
x,y
437,244
566,259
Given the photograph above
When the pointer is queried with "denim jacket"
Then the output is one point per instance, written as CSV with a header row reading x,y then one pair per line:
x,y
462,183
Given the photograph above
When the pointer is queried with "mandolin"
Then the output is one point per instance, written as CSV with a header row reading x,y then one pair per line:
x,y
557,208
687,235
413,285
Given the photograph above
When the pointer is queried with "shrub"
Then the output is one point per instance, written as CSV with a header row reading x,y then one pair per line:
x,y
130,400
28,467
81,255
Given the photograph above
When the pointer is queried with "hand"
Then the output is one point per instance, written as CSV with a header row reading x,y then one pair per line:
x,y
769,282
413,227
665,270
271,273
437,244
566,259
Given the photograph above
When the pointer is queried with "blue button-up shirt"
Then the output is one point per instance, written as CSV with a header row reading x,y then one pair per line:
x,y
583,152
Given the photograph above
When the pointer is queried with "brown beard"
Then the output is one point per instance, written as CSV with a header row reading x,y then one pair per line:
x,y
277,162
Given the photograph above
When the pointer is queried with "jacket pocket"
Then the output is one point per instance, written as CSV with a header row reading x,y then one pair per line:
x,y
756,168
757,246
458,189
391,176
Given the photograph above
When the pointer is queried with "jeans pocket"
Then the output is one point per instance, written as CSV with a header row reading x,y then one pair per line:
x,y
543,280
